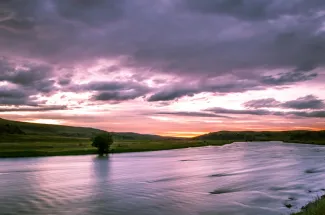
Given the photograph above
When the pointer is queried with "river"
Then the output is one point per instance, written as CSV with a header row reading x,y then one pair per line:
x,y
238,179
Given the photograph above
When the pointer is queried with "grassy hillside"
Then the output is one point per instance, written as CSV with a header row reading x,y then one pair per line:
x,y
313,137
136,136
16,127
36,129
21,139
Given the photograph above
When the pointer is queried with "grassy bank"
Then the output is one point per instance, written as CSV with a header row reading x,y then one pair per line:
x,y
36,145
314,208
39,145
294,136
312,142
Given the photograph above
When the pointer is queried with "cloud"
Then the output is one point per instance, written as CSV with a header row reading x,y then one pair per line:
x,y
93,13
11,93
192,114
262,103
262,112
117,95
211,85
33,77
288,77
192,41
256,9
36,109
64,81
114,85
171,94
316,114
14,96
306,102
21,82
159,36
115,91
258,112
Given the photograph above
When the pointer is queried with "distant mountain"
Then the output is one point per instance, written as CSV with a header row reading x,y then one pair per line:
x,y
26,128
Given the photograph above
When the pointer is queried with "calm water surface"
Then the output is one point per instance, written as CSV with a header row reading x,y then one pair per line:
x,y
242,178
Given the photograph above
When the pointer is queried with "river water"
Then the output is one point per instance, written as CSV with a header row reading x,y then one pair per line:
x,y
241,178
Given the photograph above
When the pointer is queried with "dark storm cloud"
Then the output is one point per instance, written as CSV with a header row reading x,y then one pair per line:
x,y
158,35
113,90
241,38
117,96
64,81
14,18
31,76
114,85
23,81
261,112
11,93
255,9
12,96
65,78
36,109
97,12
192,114
306,102
214,86
171,94
289,77
316,114
185,88
262,103
258,112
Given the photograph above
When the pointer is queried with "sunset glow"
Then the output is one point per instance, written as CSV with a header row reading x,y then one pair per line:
x,y
47,121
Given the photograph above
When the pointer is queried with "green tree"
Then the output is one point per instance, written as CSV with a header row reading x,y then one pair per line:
x,y
102,142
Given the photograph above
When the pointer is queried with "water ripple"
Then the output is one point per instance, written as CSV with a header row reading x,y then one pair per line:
x,y
266,178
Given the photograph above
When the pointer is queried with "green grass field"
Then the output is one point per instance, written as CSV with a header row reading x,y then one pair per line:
x,y
37,145
314,208
13,145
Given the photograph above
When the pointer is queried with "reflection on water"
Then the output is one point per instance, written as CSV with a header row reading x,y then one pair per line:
x,y
242,178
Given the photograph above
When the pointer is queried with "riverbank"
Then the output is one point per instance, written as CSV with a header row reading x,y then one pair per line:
x,y
37,146
314,208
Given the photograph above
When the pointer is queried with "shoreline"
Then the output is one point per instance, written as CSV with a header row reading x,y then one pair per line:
x,y
316,207
122,147
117,149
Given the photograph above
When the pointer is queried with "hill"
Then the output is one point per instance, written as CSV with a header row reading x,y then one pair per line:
x,y
297,136
26,128
22,139
45,129
136,136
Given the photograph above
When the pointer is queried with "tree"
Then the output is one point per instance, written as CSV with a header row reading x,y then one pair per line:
x,y
102,142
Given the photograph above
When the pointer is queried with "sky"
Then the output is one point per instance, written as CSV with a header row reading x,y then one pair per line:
x,y
166,67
